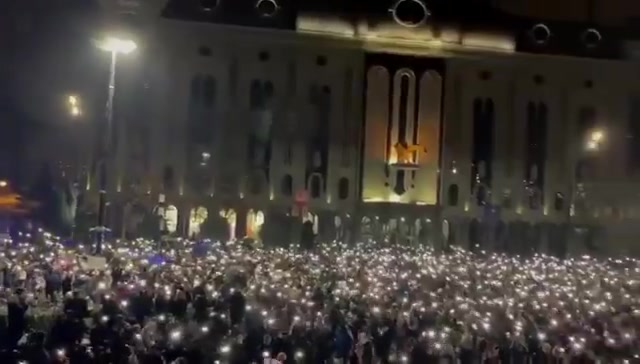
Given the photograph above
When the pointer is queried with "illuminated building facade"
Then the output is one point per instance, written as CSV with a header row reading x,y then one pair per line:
x,y
402,120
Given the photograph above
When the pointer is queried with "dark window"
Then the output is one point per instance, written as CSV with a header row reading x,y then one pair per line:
x,y
263,56
538,79
256,184
343,188
536,145
260,93
255,95
196,90
208,91
321,61
316,186
558,203
168,178
483,130
287,185
204,51
452,195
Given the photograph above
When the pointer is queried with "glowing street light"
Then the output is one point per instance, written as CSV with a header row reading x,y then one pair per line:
x,y
597,135
75,111
595,140
74,105
117,45
114,46
3,183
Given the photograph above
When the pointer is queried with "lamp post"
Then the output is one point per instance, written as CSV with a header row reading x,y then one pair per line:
x,y
114,46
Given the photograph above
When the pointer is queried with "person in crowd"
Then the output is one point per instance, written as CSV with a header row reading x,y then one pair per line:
x,y
16,317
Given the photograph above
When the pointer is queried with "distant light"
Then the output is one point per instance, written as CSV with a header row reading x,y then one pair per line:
x,y
75,111
597,135
595,139
4,183
117,45
73,100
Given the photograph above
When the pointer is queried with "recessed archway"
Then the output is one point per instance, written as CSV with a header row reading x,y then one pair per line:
x,y
171,219
314,219
197,217
232,220
255,222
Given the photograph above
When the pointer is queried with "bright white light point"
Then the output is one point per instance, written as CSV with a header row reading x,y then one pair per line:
x,y
117,45
225,349
597,135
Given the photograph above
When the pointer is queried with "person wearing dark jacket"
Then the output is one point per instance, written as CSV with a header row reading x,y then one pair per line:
x,y
142,306
67,284
178,306
16,317
237,307
200,307
36,352
77,306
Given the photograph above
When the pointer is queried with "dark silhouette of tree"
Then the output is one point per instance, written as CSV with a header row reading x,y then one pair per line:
x,y
44,192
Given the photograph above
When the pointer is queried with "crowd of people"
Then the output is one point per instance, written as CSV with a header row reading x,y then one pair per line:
x,y
208,302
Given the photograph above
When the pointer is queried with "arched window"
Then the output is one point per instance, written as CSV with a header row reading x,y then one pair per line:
x,y
315,186
452,195
171,219
343,188
287,185
558,203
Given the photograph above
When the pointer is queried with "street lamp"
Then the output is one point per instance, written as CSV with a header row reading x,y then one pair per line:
x,y
74,105
594,140
114,46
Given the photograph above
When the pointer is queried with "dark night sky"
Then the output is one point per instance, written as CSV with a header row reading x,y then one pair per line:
x,y
46,54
